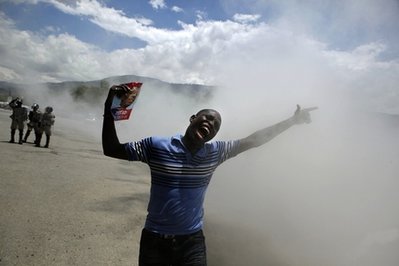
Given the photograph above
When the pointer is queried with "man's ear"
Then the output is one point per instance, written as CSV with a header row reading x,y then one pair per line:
x,y
192,118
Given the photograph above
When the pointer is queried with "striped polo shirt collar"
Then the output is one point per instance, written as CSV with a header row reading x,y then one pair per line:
x,y
178,142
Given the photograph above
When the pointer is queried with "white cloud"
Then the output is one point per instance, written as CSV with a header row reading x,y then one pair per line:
x,y
246,18
8,74
210,52
201,15
116,21
157,4
177,9
341,23
361,58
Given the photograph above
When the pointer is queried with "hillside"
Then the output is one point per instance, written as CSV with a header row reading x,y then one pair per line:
x,y
92,91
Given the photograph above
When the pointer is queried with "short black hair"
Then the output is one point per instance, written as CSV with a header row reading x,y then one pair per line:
x,y
206,111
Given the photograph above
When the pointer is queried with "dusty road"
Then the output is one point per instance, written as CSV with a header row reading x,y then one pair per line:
x,y
69,204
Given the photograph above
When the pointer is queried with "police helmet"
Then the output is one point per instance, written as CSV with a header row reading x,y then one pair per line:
x,y
18,102
49,109
35,106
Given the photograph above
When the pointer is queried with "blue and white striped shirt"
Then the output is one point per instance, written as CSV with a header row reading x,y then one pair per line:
x,y
178,180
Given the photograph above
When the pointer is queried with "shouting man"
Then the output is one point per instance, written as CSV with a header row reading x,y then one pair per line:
x,y
181,169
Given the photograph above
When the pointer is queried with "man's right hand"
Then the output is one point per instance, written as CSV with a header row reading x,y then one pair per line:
x,y
115,90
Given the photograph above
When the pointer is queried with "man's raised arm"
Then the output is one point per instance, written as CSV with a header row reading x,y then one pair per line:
x,y
110,141
264,135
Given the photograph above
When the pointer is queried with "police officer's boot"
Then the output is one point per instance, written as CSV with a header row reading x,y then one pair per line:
x,y
21,133
38,139
47,141
12,140
27,135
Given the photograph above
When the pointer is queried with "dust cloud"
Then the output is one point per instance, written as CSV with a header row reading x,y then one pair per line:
x,y
319,194
323,193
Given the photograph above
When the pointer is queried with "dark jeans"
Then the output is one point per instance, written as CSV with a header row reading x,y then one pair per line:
x,y
169,250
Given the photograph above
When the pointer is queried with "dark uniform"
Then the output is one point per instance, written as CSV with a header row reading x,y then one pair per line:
x,y
35,116
48,119
19,117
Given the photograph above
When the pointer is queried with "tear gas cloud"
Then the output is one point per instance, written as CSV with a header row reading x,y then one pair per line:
x,y
318,194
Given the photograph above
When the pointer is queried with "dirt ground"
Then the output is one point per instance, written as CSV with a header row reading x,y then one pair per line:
x,y
68,204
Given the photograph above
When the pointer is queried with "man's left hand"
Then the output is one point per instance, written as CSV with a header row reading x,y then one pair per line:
x,y
302,116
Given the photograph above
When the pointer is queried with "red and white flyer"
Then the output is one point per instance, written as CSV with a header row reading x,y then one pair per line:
x,y
124,100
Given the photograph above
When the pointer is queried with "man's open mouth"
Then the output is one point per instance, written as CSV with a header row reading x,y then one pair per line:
x,y
204,131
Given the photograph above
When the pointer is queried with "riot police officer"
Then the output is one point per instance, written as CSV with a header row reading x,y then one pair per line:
x,y
35,117
47,121
19,117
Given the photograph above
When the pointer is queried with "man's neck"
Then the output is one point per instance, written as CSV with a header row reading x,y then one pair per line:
x,y
192,146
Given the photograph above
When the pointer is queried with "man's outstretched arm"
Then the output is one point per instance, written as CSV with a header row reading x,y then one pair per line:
x,y
110,141
264,135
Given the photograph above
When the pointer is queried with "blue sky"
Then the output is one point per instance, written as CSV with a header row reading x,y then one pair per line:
x,y
203,42
36,17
